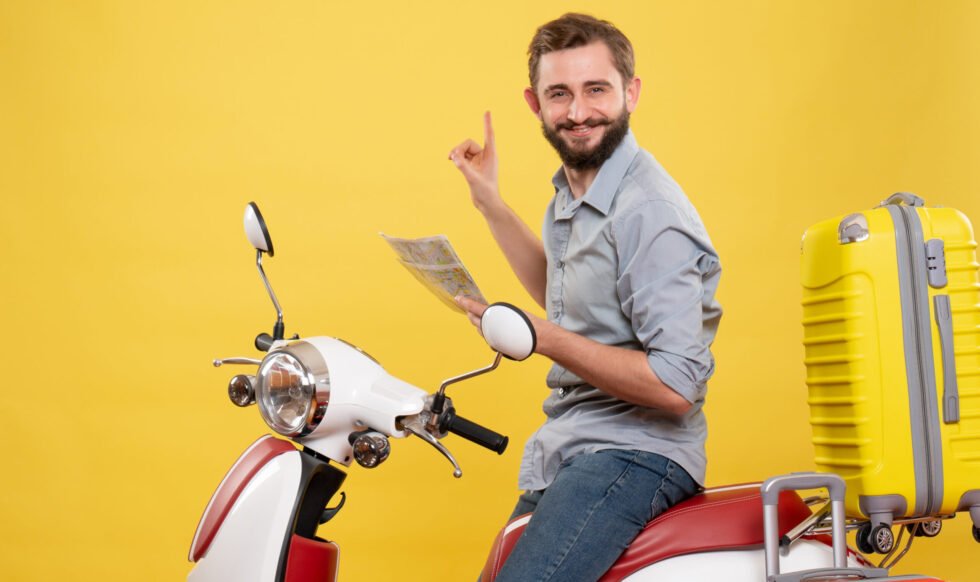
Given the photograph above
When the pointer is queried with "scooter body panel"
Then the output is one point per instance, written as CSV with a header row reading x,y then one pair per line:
x,y
369,398
250,542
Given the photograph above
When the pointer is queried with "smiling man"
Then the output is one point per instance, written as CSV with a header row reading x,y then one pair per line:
x,y
627,275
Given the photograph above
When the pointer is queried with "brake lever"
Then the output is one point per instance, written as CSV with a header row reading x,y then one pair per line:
x,y
415,426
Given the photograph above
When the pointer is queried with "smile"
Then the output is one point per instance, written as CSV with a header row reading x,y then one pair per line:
x,y
581,130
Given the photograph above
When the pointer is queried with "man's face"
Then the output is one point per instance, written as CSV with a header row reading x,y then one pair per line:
x,y
582,104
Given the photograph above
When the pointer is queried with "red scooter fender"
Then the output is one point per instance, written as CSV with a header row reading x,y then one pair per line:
x,y
260,524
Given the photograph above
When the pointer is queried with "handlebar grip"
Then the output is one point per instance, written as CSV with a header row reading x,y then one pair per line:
x,y
263,342
475,433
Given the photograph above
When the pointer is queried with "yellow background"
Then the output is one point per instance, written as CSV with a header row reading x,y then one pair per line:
x,y
133,133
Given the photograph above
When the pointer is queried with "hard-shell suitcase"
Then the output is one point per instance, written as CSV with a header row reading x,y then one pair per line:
x,y
891,317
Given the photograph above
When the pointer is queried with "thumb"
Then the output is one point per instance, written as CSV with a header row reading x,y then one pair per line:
x,y
471,306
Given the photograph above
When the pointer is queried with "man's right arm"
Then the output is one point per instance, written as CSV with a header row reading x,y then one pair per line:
x,y
523,249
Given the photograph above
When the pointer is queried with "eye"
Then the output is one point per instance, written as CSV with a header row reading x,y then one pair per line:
x,y
597,90
557,94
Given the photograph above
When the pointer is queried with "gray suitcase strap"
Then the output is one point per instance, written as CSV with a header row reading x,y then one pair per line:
x,y
936,274
913,268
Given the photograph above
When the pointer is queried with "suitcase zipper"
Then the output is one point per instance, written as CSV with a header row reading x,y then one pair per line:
x,y
926,392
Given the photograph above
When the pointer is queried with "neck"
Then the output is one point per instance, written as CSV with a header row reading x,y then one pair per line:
x,y
580,180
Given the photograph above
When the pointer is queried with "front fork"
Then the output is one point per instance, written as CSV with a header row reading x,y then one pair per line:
x,y
304,557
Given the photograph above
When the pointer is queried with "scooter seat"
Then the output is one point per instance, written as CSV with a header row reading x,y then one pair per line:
x,y
722,518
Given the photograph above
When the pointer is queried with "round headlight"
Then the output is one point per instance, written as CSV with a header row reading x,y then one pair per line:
x,y
292,390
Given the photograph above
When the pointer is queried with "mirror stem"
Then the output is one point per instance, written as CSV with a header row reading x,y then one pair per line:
x,y
440,398
278,331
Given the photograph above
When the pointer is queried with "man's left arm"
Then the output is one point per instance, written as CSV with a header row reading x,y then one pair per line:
x,y
621,372
659,284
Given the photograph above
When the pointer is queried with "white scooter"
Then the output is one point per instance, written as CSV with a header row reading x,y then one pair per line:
x,y
339,405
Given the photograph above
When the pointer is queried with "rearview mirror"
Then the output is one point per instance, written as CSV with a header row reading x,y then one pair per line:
x,y
508,331
256,230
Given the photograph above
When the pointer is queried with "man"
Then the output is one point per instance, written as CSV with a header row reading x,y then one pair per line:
x,y
627,275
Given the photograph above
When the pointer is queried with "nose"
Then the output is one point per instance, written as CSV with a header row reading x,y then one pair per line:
x,y
578,111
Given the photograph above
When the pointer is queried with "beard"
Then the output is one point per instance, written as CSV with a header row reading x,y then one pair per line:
x,y
594,158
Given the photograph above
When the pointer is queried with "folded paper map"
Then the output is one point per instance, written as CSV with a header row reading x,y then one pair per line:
x,y
435,264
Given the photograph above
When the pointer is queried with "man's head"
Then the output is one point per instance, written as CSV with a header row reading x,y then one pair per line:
x,y
582,87
574,30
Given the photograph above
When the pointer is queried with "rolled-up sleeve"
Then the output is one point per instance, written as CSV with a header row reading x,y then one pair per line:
x,y
662,263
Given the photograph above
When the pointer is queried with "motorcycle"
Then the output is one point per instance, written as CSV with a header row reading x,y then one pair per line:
x,y
336,405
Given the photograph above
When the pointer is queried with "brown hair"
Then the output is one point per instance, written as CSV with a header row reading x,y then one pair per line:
x,y
573,30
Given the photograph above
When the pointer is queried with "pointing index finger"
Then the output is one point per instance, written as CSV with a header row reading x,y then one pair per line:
x,y
488,139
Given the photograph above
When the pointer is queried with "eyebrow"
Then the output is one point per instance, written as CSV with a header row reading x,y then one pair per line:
x,y
564,87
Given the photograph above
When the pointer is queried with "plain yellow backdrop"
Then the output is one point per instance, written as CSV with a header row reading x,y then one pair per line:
x,y
133,133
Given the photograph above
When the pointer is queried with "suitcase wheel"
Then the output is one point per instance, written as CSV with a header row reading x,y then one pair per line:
x,y
882,539
863,543
925,529
877,539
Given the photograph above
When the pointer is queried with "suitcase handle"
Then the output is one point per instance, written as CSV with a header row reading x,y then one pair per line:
x,y
907,198
951,390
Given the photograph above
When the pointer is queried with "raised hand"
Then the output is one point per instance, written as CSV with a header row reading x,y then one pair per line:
x,y
479,167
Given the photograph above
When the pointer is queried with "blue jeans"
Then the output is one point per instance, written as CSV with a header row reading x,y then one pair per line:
x,y
591,512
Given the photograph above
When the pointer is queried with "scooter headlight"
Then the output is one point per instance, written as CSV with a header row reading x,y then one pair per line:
x,y
293,389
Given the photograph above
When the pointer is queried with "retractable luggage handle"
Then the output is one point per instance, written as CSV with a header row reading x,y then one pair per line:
x,y
770,518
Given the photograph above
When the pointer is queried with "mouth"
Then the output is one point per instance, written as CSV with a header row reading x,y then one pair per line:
x,y
582,130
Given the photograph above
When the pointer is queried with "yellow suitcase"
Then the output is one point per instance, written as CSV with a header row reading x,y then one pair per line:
x,y
891,319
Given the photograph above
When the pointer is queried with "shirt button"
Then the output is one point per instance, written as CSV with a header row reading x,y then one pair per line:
x,y
560,264
562,392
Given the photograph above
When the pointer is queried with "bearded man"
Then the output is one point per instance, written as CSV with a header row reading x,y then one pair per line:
x,y
627,276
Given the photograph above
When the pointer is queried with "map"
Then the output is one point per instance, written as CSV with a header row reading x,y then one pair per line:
x,y
436,265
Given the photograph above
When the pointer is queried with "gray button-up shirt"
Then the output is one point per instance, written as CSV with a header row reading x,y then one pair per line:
x,y
629,265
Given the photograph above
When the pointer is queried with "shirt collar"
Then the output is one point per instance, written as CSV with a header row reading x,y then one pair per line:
x,y
603,189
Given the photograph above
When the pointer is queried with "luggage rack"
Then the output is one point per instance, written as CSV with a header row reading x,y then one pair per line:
x,y
878,539
830,519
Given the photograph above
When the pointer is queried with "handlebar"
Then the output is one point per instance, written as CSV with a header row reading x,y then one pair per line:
x,y
474,432
263,342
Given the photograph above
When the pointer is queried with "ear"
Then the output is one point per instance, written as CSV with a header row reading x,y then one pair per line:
x,y
532,101
632,94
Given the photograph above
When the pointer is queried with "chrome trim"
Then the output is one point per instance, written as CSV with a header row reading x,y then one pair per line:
x,y
241,390
370,449
431,419
315,374
313,360
890,559
797,532
365,354
416,426
248,361
268,287
446,383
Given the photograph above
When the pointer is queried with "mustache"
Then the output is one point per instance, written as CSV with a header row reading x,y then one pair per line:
x,y
590,122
